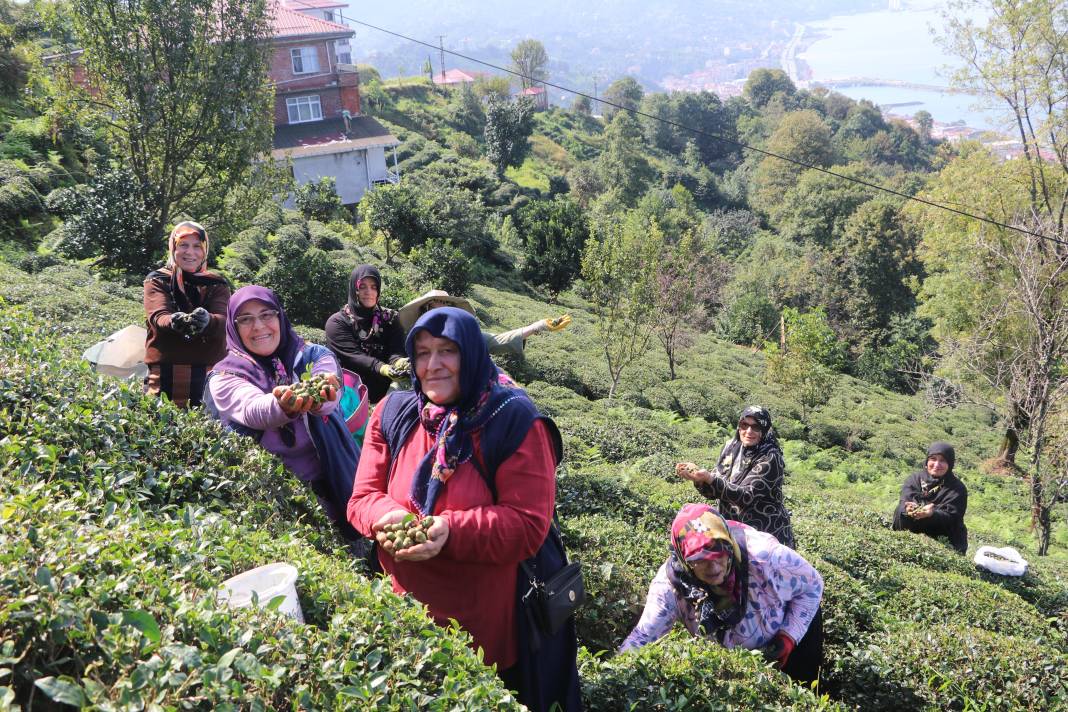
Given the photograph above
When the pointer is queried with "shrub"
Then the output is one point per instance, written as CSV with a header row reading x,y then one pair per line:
x,y
310,284
318,200
244,257
107,218
554,235
122,514
323,237
440,265
679,673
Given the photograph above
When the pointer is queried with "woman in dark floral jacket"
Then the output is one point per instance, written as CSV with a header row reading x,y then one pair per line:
x,y
747,479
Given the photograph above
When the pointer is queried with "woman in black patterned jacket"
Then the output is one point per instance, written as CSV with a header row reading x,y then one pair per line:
x,y
747,479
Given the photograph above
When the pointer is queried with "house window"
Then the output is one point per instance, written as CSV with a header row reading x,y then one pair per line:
x,y
305,60
328,15
304,108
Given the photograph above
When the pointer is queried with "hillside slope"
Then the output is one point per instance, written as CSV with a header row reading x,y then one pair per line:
x,y
909,623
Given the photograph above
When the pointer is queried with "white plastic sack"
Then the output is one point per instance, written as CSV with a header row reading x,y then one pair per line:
x,y
1010,562
122,354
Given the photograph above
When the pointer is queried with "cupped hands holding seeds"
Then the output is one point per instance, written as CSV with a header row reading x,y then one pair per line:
x,y
407,537
308,394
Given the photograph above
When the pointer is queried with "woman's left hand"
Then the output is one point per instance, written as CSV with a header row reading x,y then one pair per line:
x,y
437,535
328,392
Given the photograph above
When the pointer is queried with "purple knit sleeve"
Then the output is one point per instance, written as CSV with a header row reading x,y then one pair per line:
x,y
661,612
242,402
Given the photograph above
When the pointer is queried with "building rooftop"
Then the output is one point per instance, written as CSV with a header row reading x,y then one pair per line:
x,y
287,23
299,5
456,76
330,136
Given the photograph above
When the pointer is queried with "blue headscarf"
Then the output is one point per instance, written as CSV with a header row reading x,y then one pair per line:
x,y
482,398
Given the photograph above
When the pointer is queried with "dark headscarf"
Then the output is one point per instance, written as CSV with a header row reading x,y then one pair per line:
x,y
481,398
769,441
263,371
945,450
367,322
929,484
359,274
699,531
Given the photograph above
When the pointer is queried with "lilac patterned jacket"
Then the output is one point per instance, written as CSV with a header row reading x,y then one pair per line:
x,y
784,594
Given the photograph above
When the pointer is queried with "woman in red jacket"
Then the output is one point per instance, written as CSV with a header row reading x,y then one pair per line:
x,y
467,568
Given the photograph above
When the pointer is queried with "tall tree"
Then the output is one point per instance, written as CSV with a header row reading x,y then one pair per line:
x,y
686,275
530,61
999,302
622,166
625,92
1021,56
182,86
805,359
508,126
762,84
801,136
619,268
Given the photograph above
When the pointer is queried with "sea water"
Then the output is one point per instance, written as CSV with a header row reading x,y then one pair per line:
x,y
897,45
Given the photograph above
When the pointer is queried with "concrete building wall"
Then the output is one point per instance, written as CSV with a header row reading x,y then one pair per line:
x,y
350,171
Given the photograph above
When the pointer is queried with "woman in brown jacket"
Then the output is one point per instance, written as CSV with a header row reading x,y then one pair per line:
x,y
185,313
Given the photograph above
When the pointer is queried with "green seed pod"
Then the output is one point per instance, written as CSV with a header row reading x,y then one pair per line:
x,y
420,537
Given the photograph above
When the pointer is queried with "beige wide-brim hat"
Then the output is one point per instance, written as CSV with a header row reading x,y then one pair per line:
x,y
410,312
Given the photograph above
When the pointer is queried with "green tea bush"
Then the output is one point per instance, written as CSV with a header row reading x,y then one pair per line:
x,y
116,609
323,237
115,530
953,666
244,257
681,673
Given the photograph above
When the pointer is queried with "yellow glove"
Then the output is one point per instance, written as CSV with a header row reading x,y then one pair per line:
x,y
402,364
386,370
560,322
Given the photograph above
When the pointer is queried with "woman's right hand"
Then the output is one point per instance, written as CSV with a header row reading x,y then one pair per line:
x,y
693,473
291,403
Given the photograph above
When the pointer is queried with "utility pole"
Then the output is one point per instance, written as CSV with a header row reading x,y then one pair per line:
x,y
441,51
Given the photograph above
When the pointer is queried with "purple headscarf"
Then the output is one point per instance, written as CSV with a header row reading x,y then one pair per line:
x,y
259,370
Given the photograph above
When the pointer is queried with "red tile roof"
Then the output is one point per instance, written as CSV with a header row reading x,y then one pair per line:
x,y
456,76
299,5
290,23
532,91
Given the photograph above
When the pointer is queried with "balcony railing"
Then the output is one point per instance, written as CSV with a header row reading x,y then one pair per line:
x,y
390,179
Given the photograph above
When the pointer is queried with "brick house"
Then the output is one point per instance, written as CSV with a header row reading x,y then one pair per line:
x,y
318,123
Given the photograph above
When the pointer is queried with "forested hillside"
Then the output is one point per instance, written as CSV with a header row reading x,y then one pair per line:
x,y
868,324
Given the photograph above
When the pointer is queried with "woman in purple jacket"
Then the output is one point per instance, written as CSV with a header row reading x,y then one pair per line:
x,y
251,392
731,583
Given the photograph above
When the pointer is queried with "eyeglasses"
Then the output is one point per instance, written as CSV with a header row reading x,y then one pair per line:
x,y
748,426
246,321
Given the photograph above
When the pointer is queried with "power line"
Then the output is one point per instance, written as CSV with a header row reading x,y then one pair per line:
x,y
717,137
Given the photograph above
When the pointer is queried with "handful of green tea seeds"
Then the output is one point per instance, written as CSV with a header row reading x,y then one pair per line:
x,y
408,533
310,387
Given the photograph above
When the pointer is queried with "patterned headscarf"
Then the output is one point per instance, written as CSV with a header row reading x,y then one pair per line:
x,y
265,372
482,397
769,441
185,286
700,532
